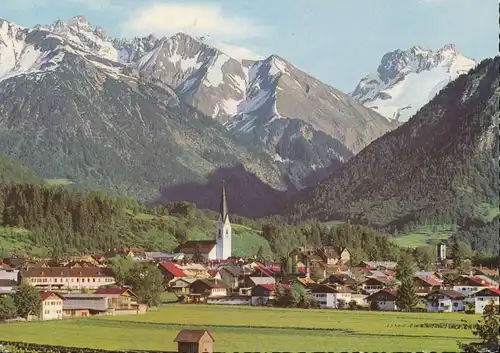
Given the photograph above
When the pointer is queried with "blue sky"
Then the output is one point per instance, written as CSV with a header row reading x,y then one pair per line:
x,y
337,41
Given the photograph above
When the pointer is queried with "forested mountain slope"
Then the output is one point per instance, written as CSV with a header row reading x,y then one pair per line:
x,y
440,166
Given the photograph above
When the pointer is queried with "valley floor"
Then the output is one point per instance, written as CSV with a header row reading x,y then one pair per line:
x,y
252,329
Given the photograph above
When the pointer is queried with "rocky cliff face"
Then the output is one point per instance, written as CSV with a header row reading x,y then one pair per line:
x,y
406,80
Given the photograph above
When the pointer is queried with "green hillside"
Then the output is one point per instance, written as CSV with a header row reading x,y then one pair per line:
x,y
13,171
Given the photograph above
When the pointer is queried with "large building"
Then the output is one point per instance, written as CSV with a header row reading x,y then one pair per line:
x,y
224,231
214,249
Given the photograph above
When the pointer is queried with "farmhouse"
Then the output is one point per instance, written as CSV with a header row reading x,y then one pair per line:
x,y
483,297
52,306
383,300
120,300
470,285
181,285
329,297
203,288
425,285
263,293
374,284
81,304
170,272
445,301
68,278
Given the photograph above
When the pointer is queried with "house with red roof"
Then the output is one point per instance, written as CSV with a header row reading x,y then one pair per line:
x,y
425,285
383,300
52,306
483,298
170,272
470,285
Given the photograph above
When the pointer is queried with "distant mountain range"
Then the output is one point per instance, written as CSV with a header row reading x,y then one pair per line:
x,y
442,166
138,116
406,80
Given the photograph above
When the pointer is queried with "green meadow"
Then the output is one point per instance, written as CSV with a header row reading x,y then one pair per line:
x,y
252,329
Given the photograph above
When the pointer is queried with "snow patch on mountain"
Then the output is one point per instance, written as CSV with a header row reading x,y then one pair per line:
x,y
19,57
407,80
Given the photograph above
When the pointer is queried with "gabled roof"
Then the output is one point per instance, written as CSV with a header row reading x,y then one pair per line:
x,y
323,288
46,295
272,287
211,283
191,336
172,269
113,291
491,292
67,272
430,281
381,280
204,246
233,270
390,293
448,293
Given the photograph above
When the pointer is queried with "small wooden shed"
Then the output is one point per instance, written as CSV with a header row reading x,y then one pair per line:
x,y
194,341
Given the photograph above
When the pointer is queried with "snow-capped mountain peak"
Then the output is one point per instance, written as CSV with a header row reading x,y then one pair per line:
x,y
407,79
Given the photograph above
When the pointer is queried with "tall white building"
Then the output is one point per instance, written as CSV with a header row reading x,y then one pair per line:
x,y
224,234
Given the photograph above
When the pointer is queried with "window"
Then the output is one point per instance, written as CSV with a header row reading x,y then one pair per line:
x,y
455,304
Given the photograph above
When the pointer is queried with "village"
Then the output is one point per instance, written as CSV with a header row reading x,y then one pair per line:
x,y
204,272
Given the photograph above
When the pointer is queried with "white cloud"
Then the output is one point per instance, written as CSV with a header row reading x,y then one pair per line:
x,y
92,5
98,5
196,18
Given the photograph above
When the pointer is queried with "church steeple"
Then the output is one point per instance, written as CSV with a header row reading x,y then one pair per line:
x,y
223,203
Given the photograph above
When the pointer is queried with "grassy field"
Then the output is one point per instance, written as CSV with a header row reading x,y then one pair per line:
x,y
57,182
423,236
245,241
270,329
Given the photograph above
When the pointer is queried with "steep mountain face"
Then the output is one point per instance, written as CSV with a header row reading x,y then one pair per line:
x,y
301,122
134,116
75,115
442,165
406,80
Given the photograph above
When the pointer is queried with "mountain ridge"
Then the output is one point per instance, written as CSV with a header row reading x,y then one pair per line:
x,y
391,89
441,165
193,74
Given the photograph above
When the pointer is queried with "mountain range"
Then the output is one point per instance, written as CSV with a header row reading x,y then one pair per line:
x,y
406,80
137,116
442,166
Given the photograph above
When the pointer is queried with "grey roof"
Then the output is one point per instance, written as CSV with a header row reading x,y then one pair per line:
x,y
263,280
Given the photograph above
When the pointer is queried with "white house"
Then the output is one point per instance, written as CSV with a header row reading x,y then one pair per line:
x,y
483,298
470,285
445,301
328,297
52,306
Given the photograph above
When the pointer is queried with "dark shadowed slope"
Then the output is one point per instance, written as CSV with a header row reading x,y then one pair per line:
x,y
442,165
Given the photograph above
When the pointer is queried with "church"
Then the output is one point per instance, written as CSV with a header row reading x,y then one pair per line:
x,y
220,248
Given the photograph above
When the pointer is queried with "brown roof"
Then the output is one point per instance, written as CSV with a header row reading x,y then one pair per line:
x,y
212,283
7,283
191,336
448,293
204,246
67,272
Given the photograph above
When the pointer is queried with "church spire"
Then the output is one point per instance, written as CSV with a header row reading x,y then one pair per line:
x,y
223,203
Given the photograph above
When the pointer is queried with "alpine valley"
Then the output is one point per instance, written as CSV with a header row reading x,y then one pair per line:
x,y
441,167
147,114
